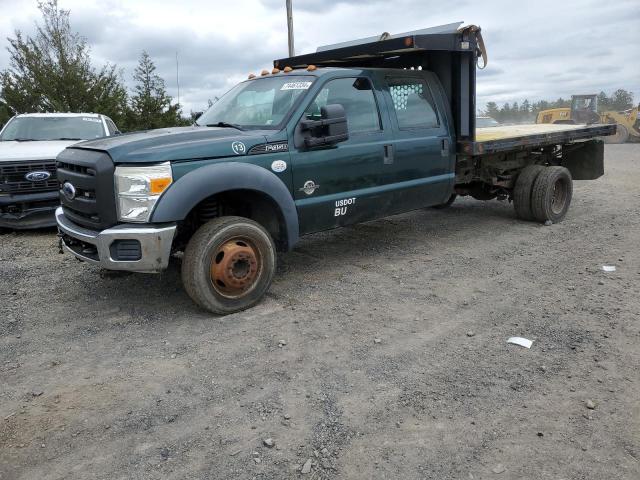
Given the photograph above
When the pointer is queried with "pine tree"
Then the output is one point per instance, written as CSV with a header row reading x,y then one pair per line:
x,y
492,110
604,102
5,113
151,105
52,71
505,113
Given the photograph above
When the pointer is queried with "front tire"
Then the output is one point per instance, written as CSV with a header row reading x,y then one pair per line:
x,y
228,264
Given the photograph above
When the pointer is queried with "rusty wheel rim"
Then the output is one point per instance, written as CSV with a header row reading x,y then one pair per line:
x,y
235,267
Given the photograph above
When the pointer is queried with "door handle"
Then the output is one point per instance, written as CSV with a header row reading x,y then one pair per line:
x,y
444,147
388,154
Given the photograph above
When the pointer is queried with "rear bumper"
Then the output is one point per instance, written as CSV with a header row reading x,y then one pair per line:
x,y
152,245
33,210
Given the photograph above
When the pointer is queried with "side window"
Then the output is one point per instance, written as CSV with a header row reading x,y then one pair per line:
x,y
111,126
412,103
356,96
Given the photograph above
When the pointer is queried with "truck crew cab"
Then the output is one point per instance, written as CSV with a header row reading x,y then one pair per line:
x,y
349,134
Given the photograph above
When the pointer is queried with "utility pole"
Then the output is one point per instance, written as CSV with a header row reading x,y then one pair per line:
x,y
290,28
178,77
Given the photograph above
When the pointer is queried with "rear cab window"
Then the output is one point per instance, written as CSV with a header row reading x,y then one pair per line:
x,y
412,103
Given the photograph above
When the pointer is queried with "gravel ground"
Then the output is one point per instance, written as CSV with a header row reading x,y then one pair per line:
x,y
380,352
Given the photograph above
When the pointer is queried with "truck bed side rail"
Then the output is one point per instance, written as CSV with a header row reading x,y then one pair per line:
x,y
533,140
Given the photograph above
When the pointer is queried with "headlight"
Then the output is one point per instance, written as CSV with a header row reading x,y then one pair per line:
x,y
138,189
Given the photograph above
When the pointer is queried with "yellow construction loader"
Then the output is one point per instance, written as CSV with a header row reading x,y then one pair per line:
x,y
584,109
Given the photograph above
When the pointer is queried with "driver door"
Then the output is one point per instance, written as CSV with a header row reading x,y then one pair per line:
x,y
338,184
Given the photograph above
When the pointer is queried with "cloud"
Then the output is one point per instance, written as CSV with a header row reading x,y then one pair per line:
x,y
541,50
315,6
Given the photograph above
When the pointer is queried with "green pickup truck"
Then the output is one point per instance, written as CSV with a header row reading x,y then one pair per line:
x,y
348,134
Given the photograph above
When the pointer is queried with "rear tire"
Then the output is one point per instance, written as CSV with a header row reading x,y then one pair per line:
x,y
551,194
621,136
228,264
522,191
448,203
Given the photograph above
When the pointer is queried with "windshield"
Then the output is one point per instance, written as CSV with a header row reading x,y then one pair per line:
x,y
584,103
52,128
260,103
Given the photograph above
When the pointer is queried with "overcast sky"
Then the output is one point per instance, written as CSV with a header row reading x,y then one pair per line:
x,y
539,49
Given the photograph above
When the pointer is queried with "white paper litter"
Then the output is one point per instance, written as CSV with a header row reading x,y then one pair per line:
x,y
523,342
609,268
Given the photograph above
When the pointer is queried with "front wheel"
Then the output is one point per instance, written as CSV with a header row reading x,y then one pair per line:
x,y
228,264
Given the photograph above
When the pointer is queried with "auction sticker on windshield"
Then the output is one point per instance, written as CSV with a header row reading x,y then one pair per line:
x,y
296,86
96,120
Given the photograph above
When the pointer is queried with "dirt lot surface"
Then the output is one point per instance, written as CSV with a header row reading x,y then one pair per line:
x,y
380,352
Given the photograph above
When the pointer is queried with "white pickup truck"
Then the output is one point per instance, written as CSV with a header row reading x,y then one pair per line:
x,y
29,145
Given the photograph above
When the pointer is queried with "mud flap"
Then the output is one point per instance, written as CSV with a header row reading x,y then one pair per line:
x,y
585,161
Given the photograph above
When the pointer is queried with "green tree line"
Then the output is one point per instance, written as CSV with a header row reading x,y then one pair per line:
x,y
526,112
52,71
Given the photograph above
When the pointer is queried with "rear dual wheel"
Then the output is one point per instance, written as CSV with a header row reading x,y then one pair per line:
x,y
228,264
543,193
551,194
522,191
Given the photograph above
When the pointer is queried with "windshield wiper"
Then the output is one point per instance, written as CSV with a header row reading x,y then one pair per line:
x,y
67,138
225,125
21,140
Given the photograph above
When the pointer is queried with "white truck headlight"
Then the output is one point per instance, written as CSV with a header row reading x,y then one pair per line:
x,y
138,189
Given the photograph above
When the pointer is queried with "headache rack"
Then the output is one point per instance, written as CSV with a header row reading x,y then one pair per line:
x,y
449,51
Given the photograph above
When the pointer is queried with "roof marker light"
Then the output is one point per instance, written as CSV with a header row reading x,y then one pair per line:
x,y
264,72
287,69
275,70
252,75
311,68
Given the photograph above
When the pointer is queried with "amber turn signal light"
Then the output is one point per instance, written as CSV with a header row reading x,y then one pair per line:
x,y
159,185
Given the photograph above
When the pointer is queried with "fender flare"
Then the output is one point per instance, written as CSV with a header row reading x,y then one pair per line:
x,y
189,190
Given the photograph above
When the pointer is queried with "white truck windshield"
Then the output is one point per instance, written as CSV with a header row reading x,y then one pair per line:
x,y
52,128
260,103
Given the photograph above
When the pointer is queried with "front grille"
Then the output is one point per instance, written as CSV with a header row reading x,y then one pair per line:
x,y
76,168
91,174
13,181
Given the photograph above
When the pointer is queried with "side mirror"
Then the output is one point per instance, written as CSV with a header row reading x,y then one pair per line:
x,y
329,130
196,115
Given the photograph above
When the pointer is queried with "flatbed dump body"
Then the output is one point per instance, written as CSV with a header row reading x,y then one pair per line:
x,y
509,138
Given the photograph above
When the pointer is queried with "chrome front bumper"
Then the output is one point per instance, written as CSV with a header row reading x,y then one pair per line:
x,y
96,247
